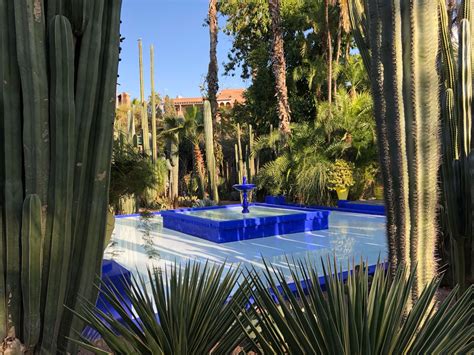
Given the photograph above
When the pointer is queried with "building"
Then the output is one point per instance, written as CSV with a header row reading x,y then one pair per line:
x,y
226,98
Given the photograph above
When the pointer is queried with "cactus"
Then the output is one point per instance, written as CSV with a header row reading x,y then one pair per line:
x,y
458,146
251,155
403,41
54,169
154,154
242,167
174,163
210,157
237,165
143,110
62,120
31,250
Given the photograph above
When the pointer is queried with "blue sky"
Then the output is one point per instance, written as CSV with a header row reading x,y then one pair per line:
x,y
175,28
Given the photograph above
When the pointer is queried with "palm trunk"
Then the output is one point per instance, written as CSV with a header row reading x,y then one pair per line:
x,y
329,50
279,67
338,50
212,78
199,166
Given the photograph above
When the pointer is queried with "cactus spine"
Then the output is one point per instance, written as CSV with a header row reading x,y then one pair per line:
x,y
210,157
143,110
458,146
54,169
405,85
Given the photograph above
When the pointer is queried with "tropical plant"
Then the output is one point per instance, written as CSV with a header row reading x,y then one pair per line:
x,y
458,144
193,127
313,314
300,170
186,309
340,175
133,173
394,38
59,62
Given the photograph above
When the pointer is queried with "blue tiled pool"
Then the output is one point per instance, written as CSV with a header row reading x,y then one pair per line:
x,y
224,224
139,243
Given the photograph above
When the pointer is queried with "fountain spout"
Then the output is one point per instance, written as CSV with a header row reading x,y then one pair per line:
x,y
244,188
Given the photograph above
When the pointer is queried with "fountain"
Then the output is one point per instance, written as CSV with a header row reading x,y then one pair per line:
x,y
244,188
231,223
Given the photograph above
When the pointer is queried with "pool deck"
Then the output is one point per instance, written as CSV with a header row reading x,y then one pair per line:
x,y
139,243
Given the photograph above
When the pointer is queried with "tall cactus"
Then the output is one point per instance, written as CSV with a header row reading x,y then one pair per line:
x,y
154,152
251,155
143,110
210,157
401,40
458,145
242,167
57,62
238,168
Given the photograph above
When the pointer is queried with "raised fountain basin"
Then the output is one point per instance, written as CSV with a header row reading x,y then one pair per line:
x,y
223,224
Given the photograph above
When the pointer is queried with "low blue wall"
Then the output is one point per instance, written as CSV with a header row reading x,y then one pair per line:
x,y
248,228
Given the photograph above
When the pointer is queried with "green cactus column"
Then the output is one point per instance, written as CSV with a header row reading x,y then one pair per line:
x,y
143,109
210,157
458,150
242,168
174,161
251,156
58,61
153,105
403,65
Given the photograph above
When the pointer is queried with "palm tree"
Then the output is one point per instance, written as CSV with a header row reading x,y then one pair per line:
x,y
279,67
190,127
193,130
212,78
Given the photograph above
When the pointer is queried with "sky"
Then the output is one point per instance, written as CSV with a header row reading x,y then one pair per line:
x,y
176,29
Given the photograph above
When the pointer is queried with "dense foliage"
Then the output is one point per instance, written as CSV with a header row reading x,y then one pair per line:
x,y
362,315
132,174
323,130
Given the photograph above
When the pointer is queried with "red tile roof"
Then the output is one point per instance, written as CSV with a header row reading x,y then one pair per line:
x,y
232,95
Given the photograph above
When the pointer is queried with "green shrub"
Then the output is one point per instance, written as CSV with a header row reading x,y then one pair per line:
x,y
341,175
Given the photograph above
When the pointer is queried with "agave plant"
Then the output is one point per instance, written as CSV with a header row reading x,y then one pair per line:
x,y
352,317
187,311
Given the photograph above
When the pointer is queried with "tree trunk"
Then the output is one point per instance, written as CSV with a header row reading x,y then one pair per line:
x,y
212,78
338,50
279,67
329,50
199,166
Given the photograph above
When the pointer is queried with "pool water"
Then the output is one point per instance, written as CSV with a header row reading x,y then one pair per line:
x,y
139,243
235,213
